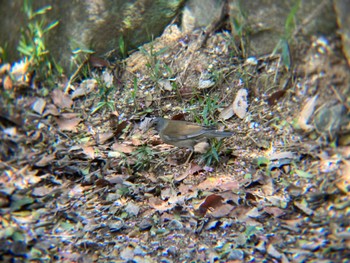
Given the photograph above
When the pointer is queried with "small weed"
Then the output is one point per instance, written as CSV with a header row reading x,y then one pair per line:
x,y
32,43
144,155
211,157
134,92
122,47
153,64
104,103
283,44
238,31
209,107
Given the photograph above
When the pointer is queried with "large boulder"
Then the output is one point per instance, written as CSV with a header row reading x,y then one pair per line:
x,y
93,24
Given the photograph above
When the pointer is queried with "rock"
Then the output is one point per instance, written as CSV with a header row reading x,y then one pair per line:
x,y
91,24
342,8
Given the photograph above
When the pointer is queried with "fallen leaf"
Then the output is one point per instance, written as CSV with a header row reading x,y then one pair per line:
x,y
19,69
68,124
60,99
101,138
45,160
240,104
306,113
97,62
201,147
5,68
39,105
226,113
148,100
86,87
7,83
159,205
272,251
343,183
222,211
275,97
51,109
89,151
165,84
122,148
212,201
192,169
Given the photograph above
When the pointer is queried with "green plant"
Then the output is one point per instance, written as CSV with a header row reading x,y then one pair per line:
x,y
283,44
32,43
134,92
122,47
144,155
238,30
104,102
211,157
207,109
153,64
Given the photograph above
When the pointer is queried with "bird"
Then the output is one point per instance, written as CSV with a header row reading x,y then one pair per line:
x,y
184,134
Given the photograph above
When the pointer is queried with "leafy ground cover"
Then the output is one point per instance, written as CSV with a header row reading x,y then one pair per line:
x,y
84,179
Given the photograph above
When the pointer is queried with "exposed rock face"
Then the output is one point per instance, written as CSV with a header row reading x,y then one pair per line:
x,y
91,24
342,8
98,24
264,22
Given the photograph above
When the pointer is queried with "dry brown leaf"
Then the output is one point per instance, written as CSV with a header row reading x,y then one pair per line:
x,y
213,201
86,87
136,141
60,99
89,151
51,109
159,205
201,147
5,68
240,104
11,131
19,69
306,113
122,148
192,169
227,113
209,183
7,83
70,115
39,105
41,191
103,137
68,124
165,84
275,211
148,100
45,160
273,252
343,183
222,211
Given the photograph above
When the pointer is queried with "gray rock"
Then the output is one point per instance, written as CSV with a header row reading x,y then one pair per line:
x,y
91,24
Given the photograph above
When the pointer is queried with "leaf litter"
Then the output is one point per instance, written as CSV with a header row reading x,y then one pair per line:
x,y
78,186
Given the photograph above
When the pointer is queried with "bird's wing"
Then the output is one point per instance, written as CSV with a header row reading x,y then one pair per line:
x,y
190,132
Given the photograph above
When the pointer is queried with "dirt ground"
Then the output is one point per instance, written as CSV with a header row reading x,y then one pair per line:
x,y
85,179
